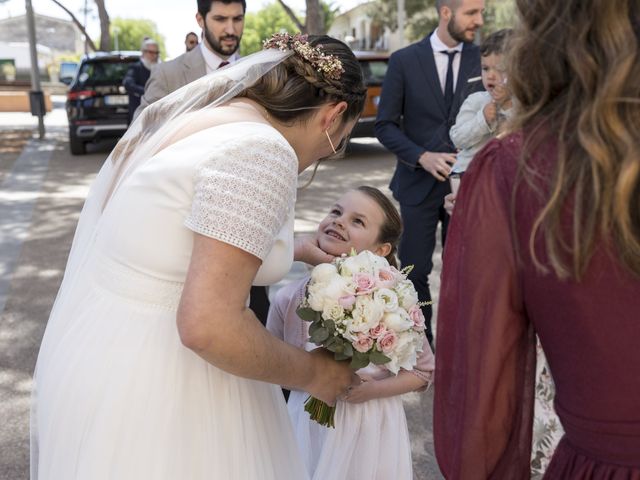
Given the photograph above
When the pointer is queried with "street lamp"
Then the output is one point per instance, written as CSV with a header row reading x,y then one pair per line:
x,y
36,97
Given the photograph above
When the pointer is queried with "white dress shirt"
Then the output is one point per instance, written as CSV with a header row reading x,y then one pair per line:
x,y
442,59
213,61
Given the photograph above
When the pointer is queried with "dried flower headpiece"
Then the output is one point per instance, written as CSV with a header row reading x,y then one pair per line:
x,y
327,64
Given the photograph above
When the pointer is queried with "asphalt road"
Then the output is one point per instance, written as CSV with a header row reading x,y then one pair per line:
x,y
42,190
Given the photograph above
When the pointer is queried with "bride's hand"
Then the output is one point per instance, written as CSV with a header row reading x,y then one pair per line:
x,y
306,250
330,379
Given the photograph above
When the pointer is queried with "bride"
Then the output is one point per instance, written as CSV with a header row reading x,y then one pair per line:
x,y
152,366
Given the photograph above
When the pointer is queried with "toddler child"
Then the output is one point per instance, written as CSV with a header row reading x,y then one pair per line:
x,y
483,113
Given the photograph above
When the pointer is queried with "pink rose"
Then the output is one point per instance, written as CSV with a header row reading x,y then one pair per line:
x,y
378,331
347,301
397,273
363,343
365,283
416,315
388,342
386,278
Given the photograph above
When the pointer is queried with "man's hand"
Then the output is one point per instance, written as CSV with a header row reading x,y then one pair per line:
x,y
438,164
306,250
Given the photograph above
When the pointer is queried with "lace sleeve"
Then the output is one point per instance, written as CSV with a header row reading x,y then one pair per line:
x,y
244,193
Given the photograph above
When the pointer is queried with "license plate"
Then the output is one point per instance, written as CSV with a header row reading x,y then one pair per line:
x,y
116,100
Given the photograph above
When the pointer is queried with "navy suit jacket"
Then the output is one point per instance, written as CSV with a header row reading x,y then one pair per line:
x,y
134,82
411,115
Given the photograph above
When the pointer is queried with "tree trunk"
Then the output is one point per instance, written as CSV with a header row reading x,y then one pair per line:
x,y
88,40
293,17
105,22
315,19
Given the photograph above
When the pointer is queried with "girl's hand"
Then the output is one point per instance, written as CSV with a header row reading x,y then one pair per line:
x,y
362,393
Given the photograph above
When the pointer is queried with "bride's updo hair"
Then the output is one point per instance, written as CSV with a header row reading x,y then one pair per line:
x,y
291,90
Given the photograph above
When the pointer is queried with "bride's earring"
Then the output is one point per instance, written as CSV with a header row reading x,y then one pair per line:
x,y
330,142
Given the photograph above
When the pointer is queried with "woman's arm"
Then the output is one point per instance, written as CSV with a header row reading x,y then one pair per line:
x,y
485,350
370,388
215,323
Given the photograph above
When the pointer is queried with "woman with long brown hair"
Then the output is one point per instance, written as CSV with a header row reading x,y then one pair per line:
x,y
545,239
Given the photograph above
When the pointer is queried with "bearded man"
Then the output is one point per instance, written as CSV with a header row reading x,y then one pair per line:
x,y
222,23
422,92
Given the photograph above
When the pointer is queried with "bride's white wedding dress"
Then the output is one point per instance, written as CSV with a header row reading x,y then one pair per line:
x,y
117,394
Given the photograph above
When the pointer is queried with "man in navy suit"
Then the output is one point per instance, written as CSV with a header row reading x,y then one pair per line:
x,y
422,92
138,74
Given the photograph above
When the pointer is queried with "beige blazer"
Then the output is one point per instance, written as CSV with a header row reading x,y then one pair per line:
x,y
170,76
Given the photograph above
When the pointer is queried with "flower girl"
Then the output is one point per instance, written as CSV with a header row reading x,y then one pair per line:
x,y
371,439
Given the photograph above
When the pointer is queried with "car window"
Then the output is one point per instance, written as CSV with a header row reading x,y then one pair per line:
x,y
374,71
68,69
103,73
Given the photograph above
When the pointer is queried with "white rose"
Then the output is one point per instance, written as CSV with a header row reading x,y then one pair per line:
x,y
332,311
379,262
322,273
405,355
363,262
337,287
388,298
316,301
407,294
366,314
398,320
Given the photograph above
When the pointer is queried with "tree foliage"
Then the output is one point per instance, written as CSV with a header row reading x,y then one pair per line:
x,y
132,31
320,16
262,24
421,16
499,14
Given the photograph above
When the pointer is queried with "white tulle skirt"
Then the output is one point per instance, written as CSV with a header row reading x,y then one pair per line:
x,y
119,397
370,440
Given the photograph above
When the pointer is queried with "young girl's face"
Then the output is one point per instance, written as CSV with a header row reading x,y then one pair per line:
x,y
493,76
353,222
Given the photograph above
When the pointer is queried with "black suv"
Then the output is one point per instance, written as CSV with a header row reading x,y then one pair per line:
x,y
97,103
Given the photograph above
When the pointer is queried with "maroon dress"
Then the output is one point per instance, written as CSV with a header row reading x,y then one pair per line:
x,y
492,301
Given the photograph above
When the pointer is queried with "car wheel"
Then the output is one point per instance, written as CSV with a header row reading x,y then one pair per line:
x,y
77,146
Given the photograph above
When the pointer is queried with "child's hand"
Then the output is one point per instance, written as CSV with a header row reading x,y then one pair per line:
x,y
449,203
490,111
362,393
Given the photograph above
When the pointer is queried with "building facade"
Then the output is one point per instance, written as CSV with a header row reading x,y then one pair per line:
x,y
360,31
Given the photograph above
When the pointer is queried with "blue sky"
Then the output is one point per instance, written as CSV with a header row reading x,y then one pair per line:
x,y
172,22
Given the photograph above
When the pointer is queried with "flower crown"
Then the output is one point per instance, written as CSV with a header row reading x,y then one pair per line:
x,y
329,65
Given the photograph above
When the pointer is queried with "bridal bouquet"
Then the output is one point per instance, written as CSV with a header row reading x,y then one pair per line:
x,y
363,310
